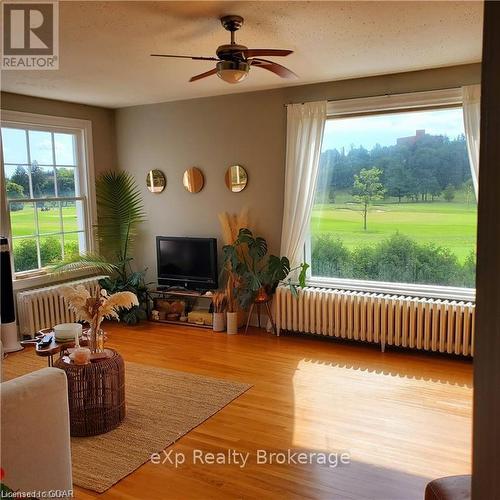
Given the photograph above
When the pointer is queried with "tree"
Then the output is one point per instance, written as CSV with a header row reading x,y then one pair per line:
x,y
397,179
449,193
469,191
42,181
14,191
434,188
426,166
21,177
367,188
66,181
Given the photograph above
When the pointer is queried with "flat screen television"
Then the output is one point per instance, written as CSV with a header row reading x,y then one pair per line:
x,y
189,263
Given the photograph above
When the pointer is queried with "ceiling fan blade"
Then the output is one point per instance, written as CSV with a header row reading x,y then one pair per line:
x,y
266,52
196,58
275,68
203,75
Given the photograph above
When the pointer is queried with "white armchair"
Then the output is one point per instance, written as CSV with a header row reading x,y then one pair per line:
x,y
35,446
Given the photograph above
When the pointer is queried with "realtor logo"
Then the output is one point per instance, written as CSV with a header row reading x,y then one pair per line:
x,y
30,35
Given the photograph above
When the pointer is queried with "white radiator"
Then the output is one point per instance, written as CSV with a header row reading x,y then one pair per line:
x,y
430,324
44,308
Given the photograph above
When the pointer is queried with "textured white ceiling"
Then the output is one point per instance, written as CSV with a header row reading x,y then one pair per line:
x,y
105,46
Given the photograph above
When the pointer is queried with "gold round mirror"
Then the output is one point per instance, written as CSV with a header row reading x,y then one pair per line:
x,y
156,181
193,180
236,178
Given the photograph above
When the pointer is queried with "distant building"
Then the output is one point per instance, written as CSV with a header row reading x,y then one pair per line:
x,y
412,139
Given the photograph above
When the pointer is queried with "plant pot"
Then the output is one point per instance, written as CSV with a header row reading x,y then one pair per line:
x,y
232,323
262,295
219,323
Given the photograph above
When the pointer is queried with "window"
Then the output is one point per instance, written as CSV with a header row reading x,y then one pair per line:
x,y
395,201
47,175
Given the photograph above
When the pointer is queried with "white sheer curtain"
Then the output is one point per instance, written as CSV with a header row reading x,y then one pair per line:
x,y
304,134
472,113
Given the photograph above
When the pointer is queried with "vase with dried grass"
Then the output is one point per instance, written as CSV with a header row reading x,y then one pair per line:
x,y
219,301
231,225
232,306
93,309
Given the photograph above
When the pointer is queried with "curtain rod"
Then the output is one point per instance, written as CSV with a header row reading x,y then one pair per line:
x,y
378,95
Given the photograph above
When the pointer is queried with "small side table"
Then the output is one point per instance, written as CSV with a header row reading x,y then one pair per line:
x,y
96,393
54,347
258,302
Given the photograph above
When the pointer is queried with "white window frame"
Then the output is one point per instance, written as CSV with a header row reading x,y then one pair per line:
x,y
381,104
82,129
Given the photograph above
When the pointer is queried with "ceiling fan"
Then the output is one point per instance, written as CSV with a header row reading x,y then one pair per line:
x,y
234,60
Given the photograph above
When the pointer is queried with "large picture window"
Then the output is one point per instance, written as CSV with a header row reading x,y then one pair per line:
x,y
46,177
395,200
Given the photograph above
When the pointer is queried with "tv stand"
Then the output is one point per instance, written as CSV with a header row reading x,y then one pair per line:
x,y
180,306
179,290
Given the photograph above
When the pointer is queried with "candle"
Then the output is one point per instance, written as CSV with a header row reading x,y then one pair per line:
x,y
77,338
81,355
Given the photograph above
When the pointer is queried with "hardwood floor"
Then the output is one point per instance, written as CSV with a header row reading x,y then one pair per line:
x,y
404,418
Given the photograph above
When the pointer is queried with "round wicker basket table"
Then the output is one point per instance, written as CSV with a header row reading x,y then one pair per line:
x,y
96,393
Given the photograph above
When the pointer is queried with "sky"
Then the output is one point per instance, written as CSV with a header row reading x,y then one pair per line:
x,y
385,129
15,147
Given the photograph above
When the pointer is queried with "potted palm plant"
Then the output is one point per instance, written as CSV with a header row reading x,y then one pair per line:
x,y
258,274
120,211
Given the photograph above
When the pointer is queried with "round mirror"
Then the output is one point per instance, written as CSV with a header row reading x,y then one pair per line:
x,y
236,178
155,181
193,180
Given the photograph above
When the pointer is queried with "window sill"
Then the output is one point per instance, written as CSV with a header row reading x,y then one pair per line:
x,y
48,278
408,289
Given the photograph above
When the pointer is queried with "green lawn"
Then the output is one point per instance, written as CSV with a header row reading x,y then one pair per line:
x,y
448,224
451,225
23,222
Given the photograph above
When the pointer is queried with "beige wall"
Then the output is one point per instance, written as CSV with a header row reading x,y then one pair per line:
x,y
213,133
103,122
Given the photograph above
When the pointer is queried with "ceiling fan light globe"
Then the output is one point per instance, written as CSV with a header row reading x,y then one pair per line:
x,y
232,71
232,75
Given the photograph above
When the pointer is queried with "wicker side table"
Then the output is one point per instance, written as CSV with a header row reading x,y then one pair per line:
x,y
96,394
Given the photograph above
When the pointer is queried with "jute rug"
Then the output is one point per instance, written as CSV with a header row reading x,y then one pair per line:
x,y
162,406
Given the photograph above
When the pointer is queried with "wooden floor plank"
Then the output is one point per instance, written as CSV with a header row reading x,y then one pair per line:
x,y
403,417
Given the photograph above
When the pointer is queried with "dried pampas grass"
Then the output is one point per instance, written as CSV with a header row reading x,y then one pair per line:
x,y
219,300
93,310
232,223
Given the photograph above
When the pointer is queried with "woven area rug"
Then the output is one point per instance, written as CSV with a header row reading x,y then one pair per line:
x,y
162,406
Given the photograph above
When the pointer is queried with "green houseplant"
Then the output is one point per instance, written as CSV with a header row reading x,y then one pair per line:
x,y
120,210
259,274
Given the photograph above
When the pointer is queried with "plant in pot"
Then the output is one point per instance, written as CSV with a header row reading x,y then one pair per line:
x,y
258,274
219,301
120,211
232,301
